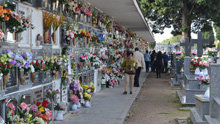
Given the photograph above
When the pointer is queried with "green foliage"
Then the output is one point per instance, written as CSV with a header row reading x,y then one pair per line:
x,y
173,39
217,30
169,13
152,45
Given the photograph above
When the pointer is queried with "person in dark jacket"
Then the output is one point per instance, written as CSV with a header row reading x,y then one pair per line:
x,y
159,63
165,59
152,58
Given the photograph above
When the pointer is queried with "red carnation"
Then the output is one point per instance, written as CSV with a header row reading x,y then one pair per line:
x,y
37,62
41,61
32,63
9,65
38,103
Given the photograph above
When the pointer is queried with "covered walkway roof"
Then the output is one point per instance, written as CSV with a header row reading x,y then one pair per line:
x,y
126,13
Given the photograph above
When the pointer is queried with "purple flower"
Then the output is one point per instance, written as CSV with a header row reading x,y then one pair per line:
x,y
34,108
18,64
7,50
24,55
13,62
27,64
12,56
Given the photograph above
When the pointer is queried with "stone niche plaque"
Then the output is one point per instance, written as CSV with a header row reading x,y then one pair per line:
x,y
38,95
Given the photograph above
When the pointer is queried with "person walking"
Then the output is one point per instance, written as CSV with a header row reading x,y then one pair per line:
x,y
147,60
139,57
129,67
159,63
152,57
165,59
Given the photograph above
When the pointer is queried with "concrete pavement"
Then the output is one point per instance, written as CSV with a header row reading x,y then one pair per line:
x,y
108,107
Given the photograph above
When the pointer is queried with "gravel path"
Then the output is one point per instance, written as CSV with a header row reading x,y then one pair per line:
x,y
156,103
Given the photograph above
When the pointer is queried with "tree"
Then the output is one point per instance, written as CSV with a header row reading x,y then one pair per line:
x,y
208,34
152,45
217,30
173,39
185,16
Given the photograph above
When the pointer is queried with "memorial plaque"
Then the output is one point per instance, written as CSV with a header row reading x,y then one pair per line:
x,y
37,95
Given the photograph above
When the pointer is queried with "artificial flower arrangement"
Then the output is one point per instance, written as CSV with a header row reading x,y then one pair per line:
x,y
82,34
195,61
38,65
83,58
204,64
204,79
95,60
88,91
43,111
212,53
53,64
47,23
58,20
51,94
70,35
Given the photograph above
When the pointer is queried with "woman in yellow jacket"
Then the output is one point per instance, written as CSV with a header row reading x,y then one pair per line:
x,y
129,67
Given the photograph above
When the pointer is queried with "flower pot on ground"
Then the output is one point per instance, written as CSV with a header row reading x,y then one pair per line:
x,y
87,104
74,107
59,108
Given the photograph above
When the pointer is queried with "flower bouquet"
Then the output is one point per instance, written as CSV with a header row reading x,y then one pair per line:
x,y
51,94
57,22
43,111
83,58
71,36
47,23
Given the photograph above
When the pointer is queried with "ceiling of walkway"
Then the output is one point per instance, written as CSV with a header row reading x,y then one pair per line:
x,y
127,14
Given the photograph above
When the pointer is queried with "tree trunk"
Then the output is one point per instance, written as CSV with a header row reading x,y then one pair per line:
x,y
186,24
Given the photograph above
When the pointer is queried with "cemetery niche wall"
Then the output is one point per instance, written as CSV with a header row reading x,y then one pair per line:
x,y
55,56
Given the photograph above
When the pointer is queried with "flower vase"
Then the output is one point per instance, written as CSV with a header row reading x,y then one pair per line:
x,y
99,23
82,17
197,71
46,38
22,76
54,37
87,104
5,79
19,38
33,76
85,41
74,41
59,116
76,17
56,75
207,93
74,107
38,43
88,40
78,105
85,18
205,71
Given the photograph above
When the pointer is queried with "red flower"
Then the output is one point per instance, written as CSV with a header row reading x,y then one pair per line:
x,y
41,61
38,103
75,35
44,105
0,64
9,65
37,62
32,63
5,66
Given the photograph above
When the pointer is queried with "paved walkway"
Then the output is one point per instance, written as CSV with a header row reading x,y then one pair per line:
x,y
108,107
156,103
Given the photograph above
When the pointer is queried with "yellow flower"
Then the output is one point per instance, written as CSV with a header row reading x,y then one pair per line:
x,y
30,115
85,86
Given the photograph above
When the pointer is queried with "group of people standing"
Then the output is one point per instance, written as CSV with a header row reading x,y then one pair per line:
x,y
157,61
135,62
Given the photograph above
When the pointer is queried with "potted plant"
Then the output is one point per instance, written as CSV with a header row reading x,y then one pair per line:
x,y
59,108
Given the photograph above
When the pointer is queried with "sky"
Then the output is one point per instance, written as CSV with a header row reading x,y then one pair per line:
x,y
167,34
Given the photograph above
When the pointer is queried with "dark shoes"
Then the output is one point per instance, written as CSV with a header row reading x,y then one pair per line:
x,y
125,92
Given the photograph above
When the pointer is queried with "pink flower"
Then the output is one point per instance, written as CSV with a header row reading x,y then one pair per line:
x,y
11,106
23,106
57,91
